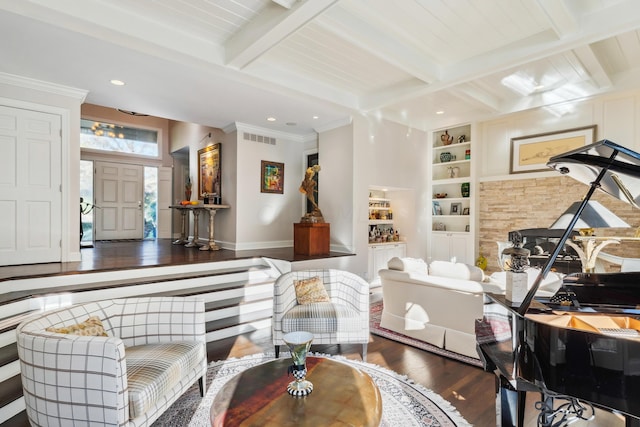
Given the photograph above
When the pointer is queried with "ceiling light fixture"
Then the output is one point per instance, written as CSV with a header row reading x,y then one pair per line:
x,y
439,112
132,113
315,117
271,119
117,82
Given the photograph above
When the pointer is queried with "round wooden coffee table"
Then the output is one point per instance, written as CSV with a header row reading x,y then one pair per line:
x,y
342,395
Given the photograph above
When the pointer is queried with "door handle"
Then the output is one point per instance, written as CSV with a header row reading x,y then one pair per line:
x,y
139,204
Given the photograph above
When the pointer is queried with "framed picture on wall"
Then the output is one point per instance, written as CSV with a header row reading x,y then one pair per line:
x,y
271,177
531,153
209,176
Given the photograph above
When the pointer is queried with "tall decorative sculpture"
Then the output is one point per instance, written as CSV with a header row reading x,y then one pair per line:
x,y
308,188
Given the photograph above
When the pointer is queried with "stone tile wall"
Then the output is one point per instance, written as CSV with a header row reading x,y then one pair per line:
x,y
536,203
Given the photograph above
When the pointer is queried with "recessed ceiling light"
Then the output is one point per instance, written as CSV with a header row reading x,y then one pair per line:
x,y
315,117
116,82
271,119
291,123
440,112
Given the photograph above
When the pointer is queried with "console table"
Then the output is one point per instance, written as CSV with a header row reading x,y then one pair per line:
x,y
196,209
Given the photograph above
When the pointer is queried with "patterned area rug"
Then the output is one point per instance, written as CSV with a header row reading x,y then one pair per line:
x,y
374,328
404,403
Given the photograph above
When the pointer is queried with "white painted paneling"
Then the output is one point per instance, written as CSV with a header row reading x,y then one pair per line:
x,y
619,123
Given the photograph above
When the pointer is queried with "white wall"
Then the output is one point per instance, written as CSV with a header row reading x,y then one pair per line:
x,y
336,195
265,220
616,116
372,152
393,156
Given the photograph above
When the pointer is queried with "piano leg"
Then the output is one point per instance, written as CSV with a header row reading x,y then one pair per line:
x,y
510,404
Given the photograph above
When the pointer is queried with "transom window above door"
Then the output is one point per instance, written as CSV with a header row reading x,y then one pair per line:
x,y
113,137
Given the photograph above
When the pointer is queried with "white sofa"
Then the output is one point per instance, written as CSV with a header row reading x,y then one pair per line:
x,y
440,303
155,349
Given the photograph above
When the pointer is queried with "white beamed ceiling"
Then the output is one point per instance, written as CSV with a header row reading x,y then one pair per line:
x,y
216,62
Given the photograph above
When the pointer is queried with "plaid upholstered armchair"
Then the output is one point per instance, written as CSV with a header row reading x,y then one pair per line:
x,y
342,318
153,351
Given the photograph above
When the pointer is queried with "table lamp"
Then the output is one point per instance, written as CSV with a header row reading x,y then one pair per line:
x,y
594,215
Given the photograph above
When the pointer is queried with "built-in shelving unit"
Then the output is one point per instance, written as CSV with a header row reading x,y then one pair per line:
x,y
384,242
452,185
380,220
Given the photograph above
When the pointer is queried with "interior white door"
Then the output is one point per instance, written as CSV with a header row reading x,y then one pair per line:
x,y
30,187
119,196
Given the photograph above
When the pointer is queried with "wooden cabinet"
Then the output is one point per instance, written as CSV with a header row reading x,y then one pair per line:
x,y
452,189
380,254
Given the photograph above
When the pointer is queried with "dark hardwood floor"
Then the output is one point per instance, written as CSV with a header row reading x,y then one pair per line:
x,y
123,255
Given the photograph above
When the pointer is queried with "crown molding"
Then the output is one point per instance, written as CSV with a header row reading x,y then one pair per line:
x,y
335,124
42,86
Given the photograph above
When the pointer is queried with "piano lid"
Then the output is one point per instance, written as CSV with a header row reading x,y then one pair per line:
x,y
603,165
622,166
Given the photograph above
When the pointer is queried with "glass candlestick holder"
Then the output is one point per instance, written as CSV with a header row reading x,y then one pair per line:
x,y
299,344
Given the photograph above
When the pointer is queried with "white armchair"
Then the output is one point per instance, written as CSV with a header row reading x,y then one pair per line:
x,y
343,320
155,350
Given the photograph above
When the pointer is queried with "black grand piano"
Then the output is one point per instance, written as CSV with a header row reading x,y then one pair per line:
x,y
579,349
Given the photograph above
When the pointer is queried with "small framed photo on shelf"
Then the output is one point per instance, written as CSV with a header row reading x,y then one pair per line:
x,y
437,209
465,211
456,209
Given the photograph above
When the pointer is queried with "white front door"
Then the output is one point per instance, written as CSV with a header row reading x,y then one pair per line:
x,y
30,187
119,198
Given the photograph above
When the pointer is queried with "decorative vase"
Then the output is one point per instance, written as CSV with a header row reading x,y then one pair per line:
x,y
465,189
445,157
299,344
446,138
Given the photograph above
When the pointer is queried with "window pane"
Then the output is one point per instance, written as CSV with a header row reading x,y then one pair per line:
x,y
122,139
86,201
150,202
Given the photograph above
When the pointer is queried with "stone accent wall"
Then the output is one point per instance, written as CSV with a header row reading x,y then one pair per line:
x,y
536,203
